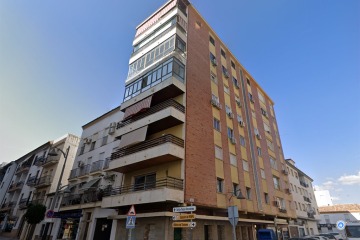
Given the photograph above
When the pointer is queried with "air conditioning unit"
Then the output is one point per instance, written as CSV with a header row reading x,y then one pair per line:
x,y
216,104
233,140
214,62
242,124
81,164
238,103
258,136
231,115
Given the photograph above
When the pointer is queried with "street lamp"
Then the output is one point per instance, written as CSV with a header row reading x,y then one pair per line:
x,y
53,152
233,212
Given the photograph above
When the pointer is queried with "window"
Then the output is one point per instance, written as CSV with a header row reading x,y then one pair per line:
x,y
248,81
266,196
212,40
223,53
213,59
213,77
82,149
217,124
230,133
219,185
296,206
215,98
273,163
228,110
145,182
248,193
232,64
233,160
245,165
235,82
104,140
262,173
258,151
237,100
270,144
242,141
261,97
264,113
226,89
266,128
251,98
92,147
218,152
225,72
236,189
276,183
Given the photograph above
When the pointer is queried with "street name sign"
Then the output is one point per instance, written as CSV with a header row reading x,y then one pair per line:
x,y
183,217
184,224
184,209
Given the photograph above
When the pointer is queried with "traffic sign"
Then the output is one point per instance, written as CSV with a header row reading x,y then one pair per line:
x,y
184,224
233,215
340,225
131,211
130,222
184,217
50,214
184,209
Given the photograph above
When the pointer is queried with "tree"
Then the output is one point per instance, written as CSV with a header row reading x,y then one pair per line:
x,y
35,213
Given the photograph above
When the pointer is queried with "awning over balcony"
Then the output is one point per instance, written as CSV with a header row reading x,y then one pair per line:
x,y
90,184
137,107
134,137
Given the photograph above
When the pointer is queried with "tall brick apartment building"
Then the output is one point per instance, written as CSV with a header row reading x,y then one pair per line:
x,y
197,129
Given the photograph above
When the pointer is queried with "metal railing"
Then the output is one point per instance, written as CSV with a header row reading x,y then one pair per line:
x,y
40,161
23,167
97,166
87,197
16,186
168,182
43,181
23,203
31,181
84,170
168,138
37,201
74,173
152,110
304,184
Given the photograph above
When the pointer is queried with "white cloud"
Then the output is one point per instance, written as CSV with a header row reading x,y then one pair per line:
x,y
328,185
350,179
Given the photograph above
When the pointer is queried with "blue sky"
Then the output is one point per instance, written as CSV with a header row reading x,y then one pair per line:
x,y
64,63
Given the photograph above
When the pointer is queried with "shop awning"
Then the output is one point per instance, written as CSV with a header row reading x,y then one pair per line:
x,y
134,137
137,107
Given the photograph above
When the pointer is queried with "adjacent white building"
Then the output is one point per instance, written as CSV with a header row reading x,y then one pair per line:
x,y
304,202
80,211
323,198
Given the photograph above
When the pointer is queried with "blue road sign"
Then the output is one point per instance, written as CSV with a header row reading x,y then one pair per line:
x,y
340,225
130,222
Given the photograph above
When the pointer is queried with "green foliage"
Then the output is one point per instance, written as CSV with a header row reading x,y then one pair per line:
x,y
35,213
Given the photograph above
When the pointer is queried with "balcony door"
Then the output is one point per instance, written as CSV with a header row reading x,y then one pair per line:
x,y
145,182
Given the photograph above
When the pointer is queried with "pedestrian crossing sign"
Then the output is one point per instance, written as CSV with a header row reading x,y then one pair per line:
x,y
130,222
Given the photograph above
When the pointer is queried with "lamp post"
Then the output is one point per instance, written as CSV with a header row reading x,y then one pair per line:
x,y
53,152
233,212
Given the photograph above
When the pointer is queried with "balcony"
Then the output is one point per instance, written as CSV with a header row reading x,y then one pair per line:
x,y
106,163
43,182
31,181
23,168
40,161
37,201
148,153
162,190
7,206
304,184
73,174
84,171
87,197
23,203
50,160
16,186
97,167
159,117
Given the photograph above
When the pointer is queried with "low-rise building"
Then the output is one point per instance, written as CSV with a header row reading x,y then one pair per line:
x,y
304,202
81,212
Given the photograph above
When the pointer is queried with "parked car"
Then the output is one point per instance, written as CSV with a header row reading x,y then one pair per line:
x,y
338,236
328,235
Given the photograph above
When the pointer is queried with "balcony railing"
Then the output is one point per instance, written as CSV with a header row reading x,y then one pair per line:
x,y
85,170
37,201
40,161
23,168
106,163
169,138
74,173
16,186
87,197
43,181
23,203
31,181
97,166
7,206
168,182
152,110
50,160
304,184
